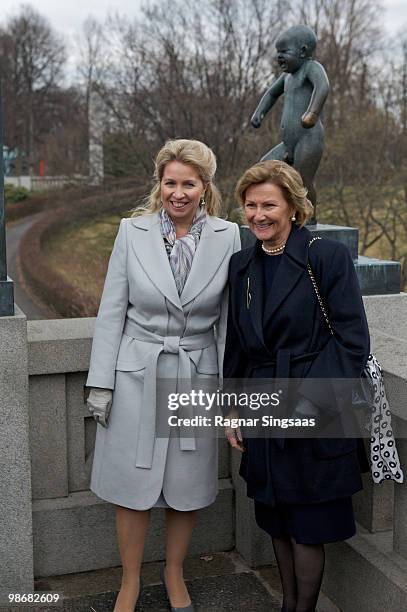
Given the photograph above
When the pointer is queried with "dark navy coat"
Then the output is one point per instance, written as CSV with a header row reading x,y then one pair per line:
x,y
291,339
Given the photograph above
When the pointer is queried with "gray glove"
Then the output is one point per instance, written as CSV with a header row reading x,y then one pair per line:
x,y
99,404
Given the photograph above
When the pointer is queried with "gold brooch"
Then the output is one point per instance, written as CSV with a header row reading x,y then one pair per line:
x,y
248,294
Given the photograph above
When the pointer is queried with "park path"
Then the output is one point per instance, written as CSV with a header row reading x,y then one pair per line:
x,y
30,305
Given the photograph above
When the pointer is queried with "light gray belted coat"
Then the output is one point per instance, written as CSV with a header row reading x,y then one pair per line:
x,y
144,331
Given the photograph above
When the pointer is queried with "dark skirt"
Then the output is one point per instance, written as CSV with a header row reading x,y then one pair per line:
x,y
321,523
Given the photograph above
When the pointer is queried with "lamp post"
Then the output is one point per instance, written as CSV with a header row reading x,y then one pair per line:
x,y
6,284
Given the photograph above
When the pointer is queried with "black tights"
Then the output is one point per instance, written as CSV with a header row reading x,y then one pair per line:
x,y
301,567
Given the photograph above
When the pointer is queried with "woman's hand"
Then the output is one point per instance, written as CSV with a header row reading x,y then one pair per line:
x,y
99,404
233,434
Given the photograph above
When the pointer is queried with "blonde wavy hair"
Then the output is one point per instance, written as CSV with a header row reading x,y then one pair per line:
x,y
284,176
192,153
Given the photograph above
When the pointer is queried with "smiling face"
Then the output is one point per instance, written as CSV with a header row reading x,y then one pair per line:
x,y
268,213
181,192
290,55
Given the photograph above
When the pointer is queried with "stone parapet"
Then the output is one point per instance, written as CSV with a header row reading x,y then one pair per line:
x,y
77,533
59,346
16,565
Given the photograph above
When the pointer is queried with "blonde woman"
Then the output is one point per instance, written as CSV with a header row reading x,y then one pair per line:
x,y
301,487
162,315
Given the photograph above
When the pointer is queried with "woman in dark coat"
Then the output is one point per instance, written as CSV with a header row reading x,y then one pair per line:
x,y
301,487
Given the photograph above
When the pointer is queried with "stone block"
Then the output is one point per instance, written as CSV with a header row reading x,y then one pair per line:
x,y
362,576
378,276
73,534
251,542
59,346
374,505
387,314
400,494
391,354
214,530
48,441
6,298
81,432
224,458
16,565
77,533
347,235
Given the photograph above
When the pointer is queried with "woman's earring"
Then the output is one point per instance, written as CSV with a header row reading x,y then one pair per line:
x,y
202,202
293,218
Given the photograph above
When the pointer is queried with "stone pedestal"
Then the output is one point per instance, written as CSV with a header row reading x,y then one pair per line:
x,y
6,298
376,276
346,235
16,567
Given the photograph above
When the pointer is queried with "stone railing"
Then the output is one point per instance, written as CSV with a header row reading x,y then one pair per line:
x,y
52,524
45,183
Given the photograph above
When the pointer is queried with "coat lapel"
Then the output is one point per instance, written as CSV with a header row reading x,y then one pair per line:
x,y
254,285
149,248
209,255
251,271
289,272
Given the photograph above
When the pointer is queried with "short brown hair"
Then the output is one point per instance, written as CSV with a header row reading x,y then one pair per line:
x,y
284,176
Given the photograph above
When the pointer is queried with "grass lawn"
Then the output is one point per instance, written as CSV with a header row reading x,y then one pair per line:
x,y
80,253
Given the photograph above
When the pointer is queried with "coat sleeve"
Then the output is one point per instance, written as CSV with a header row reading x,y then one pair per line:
x,y
222,322
111,316
345,354
235,361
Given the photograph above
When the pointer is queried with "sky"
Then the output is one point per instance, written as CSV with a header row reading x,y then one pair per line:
x,y
67,17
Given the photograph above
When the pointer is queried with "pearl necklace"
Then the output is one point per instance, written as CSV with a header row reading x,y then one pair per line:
x,y
273,251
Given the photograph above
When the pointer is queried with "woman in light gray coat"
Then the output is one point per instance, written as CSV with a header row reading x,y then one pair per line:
x,y
162,315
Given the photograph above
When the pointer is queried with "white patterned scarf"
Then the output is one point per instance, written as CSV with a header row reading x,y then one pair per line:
x,y
383,451
181,251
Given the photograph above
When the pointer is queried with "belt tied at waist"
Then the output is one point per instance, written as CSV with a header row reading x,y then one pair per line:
x,y
283,361
176,345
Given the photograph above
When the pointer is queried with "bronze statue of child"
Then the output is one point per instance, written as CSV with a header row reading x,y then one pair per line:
x,y
305,86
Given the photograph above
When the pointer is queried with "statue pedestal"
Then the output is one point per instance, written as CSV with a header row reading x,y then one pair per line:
x,y
376,276
346,235
6,298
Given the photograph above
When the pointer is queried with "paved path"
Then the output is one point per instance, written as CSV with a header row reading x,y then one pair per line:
x,y
24,299
220,582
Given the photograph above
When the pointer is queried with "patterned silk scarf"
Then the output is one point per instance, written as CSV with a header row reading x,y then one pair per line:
x,y
181,251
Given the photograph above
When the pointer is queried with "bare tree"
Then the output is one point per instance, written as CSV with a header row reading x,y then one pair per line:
x,y
194,71
91,46
32,64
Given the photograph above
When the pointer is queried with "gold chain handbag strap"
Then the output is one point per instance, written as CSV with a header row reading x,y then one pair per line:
x,y
315,285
